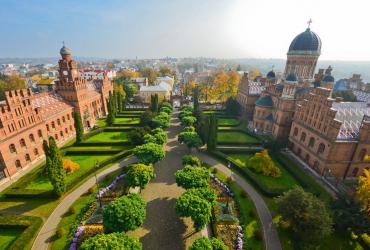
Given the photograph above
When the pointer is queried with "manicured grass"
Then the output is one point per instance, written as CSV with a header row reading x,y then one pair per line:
x,y
228,121
8,235
231,137
284,182
96,148
101,123
126,120
116,136
248,214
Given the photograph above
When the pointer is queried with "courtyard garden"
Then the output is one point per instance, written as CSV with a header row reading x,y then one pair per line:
x,y
109,136
235,137
227,122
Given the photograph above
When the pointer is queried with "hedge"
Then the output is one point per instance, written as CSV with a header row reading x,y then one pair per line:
x,y
122,128
248,174
133,115
97,144
31,224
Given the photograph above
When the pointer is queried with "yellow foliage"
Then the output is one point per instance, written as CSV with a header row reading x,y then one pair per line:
x,y
262,163
225,85
367,158
254,74
70,166
119,89
129,73
363,190
187,89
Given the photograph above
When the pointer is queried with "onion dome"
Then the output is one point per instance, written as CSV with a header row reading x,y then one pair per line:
x,y
65,51
265,101
291,78
270,75
307,42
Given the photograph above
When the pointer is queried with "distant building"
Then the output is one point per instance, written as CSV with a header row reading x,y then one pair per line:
x,y
91,74
163,90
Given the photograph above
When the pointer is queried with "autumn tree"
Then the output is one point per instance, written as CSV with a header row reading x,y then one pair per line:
x,y
150,73
363,190
8,83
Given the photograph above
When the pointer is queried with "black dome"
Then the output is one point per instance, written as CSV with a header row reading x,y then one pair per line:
x,y
307,42
328,78
65,51
271,74
291,77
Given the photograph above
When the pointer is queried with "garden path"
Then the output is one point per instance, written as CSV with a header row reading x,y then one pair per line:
x,y
162,228
271,237
47,231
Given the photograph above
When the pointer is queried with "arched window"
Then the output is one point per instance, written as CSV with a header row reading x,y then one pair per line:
x,y
12,148
47,127
303,136
311,143
354,172
36,151
27,157
295,133
362,154
22,142
63,119
39,133
316,166
61,133
321,148
66,130
18,164
58,121
299,151
32,138
53,124
56,136
307,158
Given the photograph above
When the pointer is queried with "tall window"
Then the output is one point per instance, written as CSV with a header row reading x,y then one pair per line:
x,y
53,124
303,136
18,164
321,148
36,151
58,121
295,133
22,142
311,143
28,158
32,138
12,148
39,133
47,127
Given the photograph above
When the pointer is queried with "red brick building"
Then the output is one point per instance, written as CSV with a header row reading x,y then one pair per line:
x,y
27,118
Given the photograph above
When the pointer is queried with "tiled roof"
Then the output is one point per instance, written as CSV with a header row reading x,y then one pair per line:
x,y
49,104
351,115
255,88
362,96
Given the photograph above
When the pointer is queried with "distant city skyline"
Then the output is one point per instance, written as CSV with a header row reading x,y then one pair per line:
x,y
156,29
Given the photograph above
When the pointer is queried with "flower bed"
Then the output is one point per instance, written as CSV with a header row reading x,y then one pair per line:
x,y
113,190
226,225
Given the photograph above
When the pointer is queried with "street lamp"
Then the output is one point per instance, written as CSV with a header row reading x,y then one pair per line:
x,y
96,181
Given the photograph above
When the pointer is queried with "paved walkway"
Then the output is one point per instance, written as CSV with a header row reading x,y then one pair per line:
x,y
162,228
48,230
271,237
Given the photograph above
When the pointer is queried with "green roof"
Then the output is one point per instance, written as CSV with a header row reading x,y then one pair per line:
x,y
265,101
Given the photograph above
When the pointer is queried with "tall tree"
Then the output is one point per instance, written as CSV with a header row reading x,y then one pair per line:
x,y
139,175
212,135
8,83
196,100
363,190
78,126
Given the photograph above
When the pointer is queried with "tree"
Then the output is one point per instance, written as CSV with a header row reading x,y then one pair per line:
x,y
126,73
111,113
8,83
188,120
212,134
162,120
363,190
232,106
191,160
197,208
124,214
165,110
136,135
78,127
54,166
306,215
111,241
191,139
196,99
262,163
154,103
166,105
189,129
150,73
205,193
204,243
149,153
146,118
131,89
347,95
159,135
192,177
139,175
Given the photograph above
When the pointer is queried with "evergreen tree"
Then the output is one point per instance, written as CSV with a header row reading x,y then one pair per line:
x,y
212,135
111,112
154,103
196,100
78,126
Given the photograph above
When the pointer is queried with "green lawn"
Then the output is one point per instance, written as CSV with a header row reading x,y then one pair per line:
x,y
228,121
285,181
248,214
101,123
8,235
96,148
115,136
230,137
126,120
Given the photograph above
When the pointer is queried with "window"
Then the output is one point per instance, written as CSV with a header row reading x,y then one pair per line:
x,y
22,142
47,127
12,148
66,130
321,148
68,117
295,133
28,158
58,122
311,143
61,133
56,136
39,133
63,119
32,138
18,164
362,154
36,151
53,124
303,136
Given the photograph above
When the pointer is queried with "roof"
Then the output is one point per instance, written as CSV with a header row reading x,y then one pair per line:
x,y
291,77
328,78
265,101
307,42
65,51
255,88
271,74
155,88
302,91
50,104
351,115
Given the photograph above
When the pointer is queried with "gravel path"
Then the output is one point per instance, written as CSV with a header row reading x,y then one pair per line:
x,y
47,231
162,228
272,241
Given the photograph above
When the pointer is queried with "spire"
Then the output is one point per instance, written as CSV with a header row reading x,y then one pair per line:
x,y
309,23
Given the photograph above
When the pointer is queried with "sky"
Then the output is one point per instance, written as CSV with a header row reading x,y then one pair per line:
x,y
182,28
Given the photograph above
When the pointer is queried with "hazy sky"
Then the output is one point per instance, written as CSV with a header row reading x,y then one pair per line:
x,y
182,28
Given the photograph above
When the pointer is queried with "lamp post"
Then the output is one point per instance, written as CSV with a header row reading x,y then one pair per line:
x,y
96,181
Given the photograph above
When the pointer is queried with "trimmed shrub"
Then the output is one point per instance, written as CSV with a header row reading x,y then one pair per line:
x,y
191,160
111,241
192,177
